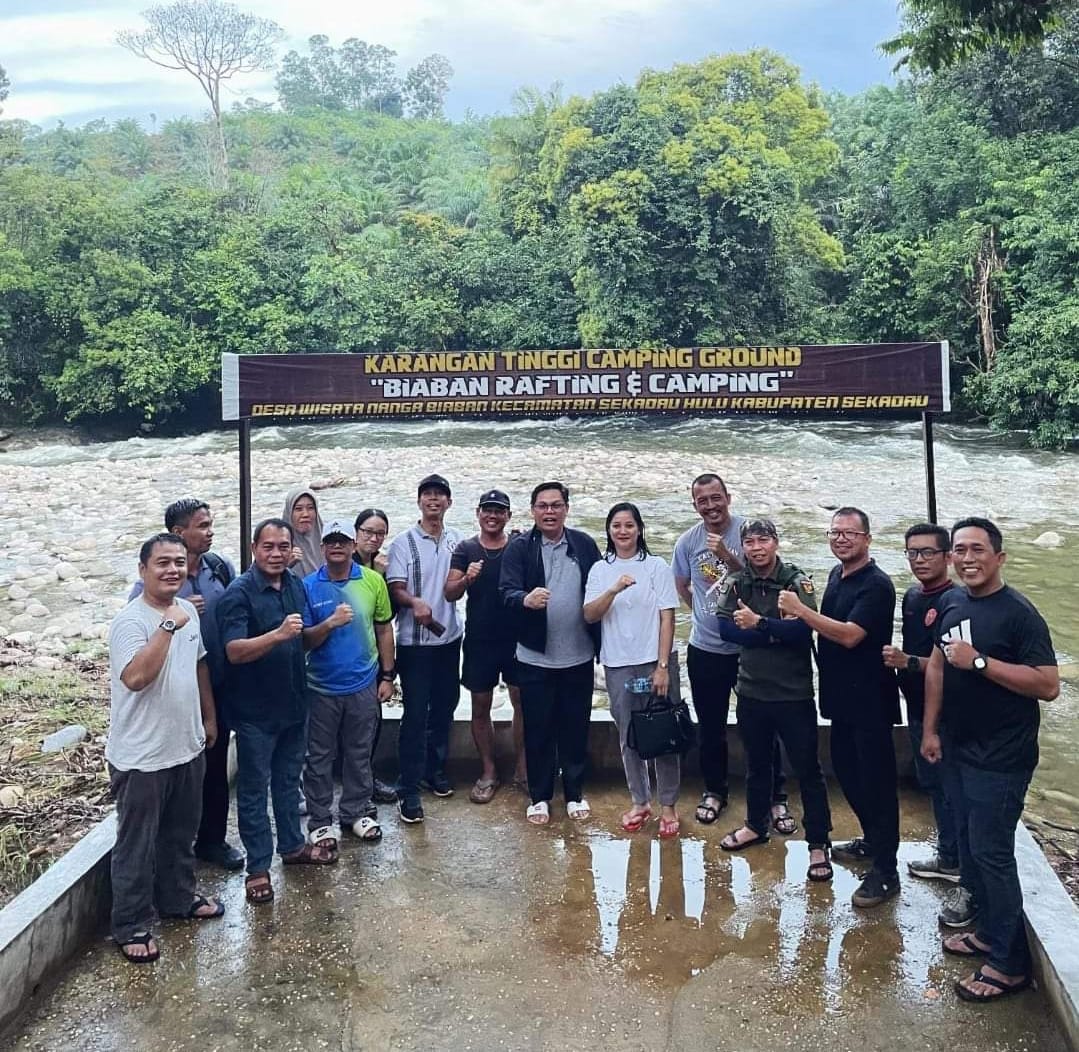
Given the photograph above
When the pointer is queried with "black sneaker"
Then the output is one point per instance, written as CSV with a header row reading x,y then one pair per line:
x,y
410,811
384,793
223,855
439,787
875,889
856,850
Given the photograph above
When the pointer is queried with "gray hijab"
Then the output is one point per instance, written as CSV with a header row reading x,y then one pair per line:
x,y
309,543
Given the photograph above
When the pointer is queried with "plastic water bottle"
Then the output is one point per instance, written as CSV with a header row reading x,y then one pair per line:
x,y
640,685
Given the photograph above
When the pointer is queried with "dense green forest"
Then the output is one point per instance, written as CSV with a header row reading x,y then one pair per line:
x,y
727,201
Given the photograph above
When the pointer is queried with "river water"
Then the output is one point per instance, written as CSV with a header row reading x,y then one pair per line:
x,y
96,503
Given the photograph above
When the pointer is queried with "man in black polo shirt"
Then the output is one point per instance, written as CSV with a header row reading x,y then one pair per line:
x,y
859,695
260,617
489,643
929,551
995,659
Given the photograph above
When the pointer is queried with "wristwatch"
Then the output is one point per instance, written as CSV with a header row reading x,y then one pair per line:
x,y
168,624
912,663
980,663
663,664
387,675
762,624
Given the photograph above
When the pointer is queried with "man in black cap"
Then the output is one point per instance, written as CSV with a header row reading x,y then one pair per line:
x,y
489,640
428,646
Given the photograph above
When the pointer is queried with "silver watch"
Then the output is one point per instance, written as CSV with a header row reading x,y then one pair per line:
x,y
168,624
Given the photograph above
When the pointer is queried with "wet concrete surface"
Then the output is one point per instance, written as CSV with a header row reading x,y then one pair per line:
x,y
478,931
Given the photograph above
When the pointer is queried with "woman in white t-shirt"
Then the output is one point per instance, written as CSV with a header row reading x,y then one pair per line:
x,y
632,592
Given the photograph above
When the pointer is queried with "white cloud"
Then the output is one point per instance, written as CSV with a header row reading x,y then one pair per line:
x,y
69,63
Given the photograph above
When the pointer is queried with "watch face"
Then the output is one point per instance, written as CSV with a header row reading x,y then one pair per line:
x,y
980,663
168,625
912,663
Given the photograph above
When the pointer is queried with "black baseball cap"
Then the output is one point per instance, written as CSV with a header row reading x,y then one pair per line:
x,y
434,482
494,496
760,527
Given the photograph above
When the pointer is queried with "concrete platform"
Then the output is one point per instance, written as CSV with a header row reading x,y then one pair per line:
x,y
478,931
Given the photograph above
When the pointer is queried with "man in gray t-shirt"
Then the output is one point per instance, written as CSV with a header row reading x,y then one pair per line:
x,y
544,572
162,719
704,557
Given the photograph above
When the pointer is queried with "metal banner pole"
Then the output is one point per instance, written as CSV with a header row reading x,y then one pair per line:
x,y
245,492
930,470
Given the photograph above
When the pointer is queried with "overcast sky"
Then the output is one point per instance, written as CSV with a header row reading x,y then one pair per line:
x,y
64,64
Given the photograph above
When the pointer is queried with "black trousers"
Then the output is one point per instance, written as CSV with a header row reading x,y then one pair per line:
x,y
863,758
711,680
557,708
761,724
215,788
153,860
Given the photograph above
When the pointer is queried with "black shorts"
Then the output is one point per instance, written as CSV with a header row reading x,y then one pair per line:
x,y
485,662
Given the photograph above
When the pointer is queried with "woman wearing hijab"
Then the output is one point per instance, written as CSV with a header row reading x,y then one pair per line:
x,y
301,511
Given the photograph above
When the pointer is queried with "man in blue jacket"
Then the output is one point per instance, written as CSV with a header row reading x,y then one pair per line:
x,y
543,578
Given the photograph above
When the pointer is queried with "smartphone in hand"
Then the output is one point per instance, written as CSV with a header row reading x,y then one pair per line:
x,y
436,628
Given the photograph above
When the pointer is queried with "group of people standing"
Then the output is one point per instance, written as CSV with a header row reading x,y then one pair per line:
x,y
296,655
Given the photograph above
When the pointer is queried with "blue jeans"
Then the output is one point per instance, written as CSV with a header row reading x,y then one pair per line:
x,y
931,779
430,690
987,807
269,757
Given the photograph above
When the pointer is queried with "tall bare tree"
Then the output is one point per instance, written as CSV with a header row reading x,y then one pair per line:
x,y
212,41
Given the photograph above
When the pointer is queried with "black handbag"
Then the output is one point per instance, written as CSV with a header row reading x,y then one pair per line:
x,y
661,728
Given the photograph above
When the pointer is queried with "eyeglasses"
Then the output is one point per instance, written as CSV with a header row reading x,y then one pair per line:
x,y
914,554
374,535
846,535
555,506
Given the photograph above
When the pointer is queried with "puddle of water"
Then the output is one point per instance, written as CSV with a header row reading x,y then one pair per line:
x,y
669,910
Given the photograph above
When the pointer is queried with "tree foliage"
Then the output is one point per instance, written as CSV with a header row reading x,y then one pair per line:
x,y
723,201
362,76
943,33
212,41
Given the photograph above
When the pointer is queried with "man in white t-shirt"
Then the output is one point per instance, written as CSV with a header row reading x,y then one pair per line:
x,y
704,557
162,721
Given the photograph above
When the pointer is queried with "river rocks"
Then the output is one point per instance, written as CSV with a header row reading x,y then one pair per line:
x,y
12,656
11,795
1049,539
37,610
46,661
22,639
67,572
23,572
18,591
51,630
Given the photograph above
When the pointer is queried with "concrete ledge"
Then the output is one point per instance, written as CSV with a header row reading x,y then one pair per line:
x,y
1052,925
44,926
603,749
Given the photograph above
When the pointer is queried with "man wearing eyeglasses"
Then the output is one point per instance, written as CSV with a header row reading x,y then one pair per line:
x,y
928,548
860,696
544,572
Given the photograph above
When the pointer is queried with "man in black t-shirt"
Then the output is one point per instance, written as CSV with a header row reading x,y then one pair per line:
x,y
928,548
859,695
995,659
489,643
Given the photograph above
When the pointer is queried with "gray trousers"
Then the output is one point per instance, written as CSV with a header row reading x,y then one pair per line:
x,y
668,768
153,860
351,719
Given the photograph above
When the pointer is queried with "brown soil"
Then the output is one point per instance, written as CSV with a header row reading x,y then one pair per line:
x,y
63,794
